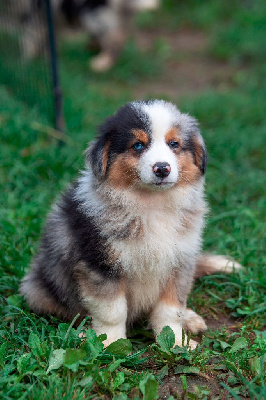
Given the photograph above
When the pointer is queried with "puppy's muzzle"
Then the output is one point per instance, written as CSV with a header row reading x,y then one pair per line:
x,y
161,169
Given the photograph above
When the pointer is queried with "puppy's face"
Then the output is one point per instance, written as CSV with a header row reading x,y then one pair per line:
x,y
148,145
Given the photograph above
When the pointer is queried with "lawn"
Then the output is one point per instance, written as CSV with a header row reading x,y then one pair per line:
x,y
220,79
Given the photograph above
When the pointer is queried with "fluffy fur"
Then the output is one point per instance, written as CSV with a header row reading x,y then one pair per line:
x,y
125,239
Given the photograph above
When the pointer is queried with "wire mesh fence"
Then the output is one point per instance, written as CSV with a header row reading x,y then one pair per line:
x,y
28,64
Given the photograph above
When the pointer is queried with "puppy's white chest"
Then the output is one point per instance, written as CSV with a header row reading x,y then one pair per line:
x,y
156,250
143,293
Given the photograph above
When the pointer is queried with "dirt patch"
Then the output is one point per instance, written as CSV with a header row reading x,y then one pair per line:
x,y
189,68
185,41
173,386
223,321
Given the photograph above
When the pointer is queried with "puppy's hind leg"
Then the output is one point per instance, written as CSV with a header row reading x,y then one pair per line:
x,y
33,289
208,264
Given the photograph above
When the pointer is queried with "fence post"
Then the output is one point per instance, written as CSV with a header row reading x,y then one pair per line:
x,y
59,119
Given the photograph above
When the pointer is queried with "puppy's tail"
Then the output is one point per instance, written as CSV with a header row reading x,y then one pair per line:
x,y
209,264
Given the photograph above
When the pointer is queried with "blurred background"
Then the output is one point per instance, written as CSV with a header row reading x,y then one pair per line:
x,y
114,51
209,58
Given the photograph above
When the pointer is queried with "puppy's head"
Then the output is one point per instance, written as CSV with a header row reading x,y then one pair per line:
x,y
148,145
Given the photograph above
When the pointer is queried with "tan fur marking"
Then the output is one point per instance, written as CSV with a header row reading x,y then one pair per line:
x,y
40,301
188,172
123,171
45,303
141,136
169,294
198,152
105,156
173,135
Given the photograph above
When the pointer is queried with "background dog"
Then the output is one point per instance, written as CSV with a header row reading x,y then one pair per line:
x,y
125,239
108,23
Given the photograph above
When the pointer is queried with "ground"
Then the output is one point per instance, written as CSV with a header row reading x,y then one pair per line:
x,y
188,48
209,58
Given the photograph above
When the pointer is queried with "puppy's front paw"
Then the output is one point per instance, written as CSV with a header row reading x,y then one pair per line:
x,y
191,345
111,340
193,322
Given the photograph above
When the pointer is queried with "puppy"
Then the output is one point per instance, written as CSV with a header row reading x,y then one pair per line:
x,y
125,239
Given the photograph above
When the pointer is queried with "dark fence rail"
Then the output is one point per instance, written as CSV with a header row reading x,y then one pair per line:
x,y
28,62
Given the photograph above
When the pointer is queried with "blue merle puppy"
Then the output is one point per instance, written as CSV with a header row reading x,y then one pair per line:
x,y
125,240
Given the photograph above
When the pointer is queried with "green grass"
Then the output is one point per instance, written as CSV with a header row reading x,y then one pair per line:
x,y
42,357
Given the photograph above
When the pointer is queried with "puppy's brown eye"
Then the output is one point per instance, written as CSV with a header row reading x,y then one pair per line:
x,y
138,146
173,145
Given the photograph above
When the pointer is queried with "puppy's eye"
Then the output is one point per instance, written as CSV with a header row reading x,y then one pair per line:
x,y
173,145
138,146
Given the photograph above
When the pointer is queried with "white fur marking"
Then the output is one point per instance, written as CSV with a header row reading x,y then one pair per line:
x,y
158,152
108,317
172,316
162,116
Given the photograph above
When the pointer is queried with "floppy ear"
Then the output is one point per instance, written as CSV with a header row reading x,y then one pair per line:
x,y
97,156
194,142
200,154
197,147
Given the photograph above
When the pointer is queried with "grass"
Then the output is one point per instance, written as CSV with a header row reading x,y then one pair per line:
x,y
42,357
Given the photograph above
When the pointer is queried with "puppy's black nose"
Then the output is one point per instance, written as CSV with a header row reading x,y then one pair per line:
x,y
161,169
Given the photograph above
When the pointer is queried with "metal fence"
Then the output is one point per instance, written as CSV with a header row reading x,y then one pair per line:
x,y
28,64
